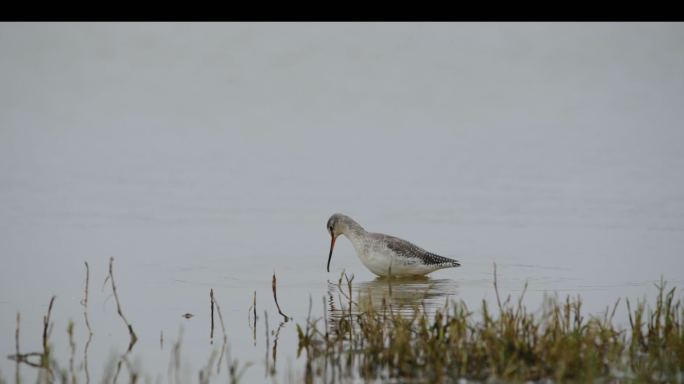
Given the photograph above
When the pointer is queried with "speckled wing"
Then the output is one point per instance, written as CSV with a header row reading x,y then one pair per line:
x,y
406,249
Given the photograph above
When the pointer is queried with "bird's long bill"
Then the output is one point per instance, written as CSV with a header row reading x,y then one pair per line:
x,y
332,245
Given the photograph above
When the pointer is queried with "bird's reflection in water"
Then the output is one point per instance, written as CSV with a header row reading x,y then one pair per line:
x,y
399,295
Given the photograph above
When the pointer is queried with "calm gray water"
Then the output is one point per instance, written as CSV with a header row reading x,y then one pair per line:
x,y
211,156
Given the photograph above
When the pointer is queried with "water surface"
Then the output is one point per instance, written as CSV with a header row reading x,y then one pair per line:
x,y
211,156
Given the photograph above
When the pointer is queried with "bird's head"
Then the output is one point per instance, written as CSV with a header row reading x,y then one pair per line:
x,y
337,225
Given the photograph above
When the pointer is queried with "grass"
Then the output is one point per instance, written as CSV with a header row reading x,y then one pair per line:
x,y
507,343
368,341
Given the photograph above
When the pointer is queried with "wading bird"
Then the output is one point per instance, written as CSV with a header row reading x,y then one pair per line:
x,y
385,255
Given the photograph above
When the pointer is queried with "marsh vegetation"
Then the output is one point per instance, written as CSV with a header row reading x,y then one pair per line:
x,y
375,337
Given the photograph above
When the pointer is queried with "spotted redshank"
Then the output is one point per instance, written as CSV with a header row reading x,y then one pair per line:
x,y
385,255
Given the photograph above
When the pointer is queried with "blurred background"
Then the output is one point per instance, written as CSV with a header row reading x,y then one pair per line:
x,y
211,155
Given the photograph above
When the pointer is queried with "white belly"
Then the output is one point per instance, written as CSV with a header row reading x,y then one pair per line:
x,y
383,262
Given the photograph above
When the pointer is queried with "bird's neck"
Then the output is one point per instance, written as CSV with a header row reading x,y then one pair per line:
x,y
352,229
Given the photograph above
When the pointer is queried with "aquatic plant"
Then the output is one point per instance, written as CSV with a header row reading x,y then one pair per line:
x,y
505,343
366,340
